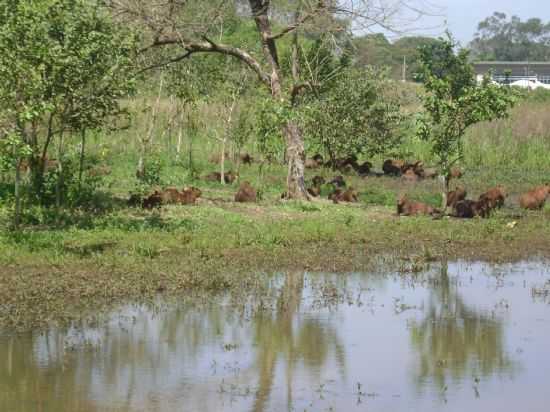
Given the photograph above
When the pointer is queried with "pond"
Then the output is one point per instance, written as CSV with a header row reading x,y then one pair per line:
x,y
458,336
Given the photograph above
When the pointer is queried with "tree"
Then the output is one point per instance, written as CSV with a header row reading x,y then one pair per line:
x,y
194,27
454,101
500,38
63,68
357,115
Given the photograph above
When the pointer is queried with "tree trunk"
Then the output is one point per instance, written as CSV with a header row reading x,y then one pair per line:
x,y
296,157
222,163
81,162
17,219
180,134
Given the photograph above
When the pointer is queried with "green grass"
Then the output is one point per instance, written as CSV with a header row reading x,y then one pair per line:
x,y
59,264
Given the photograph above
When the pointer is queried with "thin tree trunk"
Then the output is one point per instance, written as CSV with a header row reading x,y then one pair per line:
x,y
81,163
17,189
180,134
148,140
222,162
59,184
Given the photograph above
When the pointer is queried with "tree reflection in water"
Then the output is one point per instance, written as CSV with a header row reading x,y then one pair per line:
x,y
454,341
282,334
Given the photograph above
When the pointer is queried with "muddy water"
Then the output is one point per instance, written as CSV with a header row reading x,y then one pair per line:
x,y
460,337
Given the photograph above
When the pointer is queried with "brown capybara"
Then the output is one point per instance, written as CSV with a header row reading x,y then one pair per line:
x,y
416,167
350,195
408,207
338,181
455,196
229,177
314,191
410,176
315,162
429,173
454,173
494,197
153,200
535,199
364,168
246,193
470,208
318,180
393,167
189,195
170,195
246,159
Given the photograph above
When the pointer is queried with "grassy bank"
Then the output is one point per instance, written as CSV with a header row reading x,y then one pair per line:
x,y
60,264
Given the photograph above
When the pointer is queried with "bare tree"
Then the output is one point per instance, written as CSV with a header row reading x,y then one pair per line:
x,y
190,27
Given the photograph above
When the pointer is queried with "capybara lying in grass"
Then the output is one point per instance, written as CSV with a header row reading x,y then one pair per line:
x,y
535,199
455,196
315,189
246,193
494,197
408,207
189,195
315,162
170,196
454,173
246,159
338,181
393,167
153,200
364,168
229,177
470,208
410,176
339,195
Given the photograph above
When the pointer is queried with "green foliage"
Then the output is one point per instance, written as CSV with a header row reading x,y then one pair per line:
x,y
454,101
64,67
500,38
358,115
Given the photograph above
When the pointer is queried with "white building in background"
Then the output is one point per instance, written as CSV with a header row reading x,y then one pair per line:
x,y
530,75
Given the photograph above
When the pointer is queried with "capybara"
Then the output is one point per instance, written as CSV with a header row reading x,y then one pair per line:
x,y
470,208
429,173
314,191
454,173
338,181
246,159
535,199
318,180
455,196
364,168
315,162
339,195
409,176
189,195
153,200
229,177
494,197
170,195
408,207
246,193
393,167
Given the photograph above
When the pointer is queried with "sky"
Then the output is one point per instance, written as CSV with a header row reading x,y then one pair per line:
x,y
462,16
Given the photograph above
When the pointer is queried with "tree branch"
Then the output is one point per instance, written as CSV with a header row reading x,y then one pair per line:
x,y
209,46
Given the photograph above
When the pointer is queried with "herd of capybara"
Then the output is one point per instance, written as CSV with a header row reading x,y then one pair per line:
x,y
456,200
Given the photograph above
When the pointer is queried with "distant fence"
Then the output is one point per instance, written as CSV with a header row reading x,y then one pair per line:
x,y
510,79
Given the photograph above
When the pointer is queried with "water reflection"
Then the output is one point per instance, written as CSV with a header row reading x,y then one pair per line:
x,y
454,340
460,328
